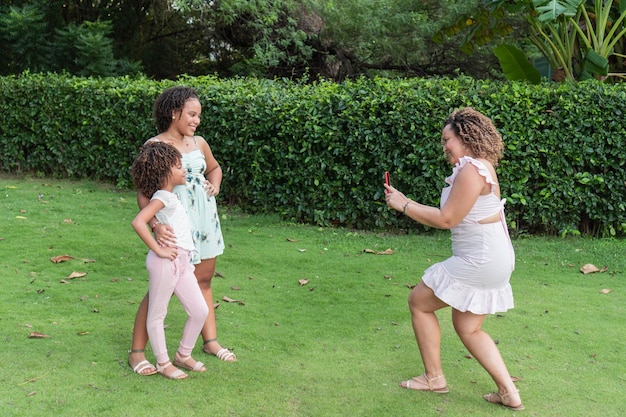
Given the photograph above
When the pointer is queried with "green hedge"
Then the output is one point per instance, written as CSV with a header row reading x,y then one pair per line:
x,y
317,152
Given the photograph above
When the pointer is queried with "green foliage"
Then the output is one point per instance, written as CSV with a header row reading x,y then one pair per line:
x,y
397,37
84,49
246,38
23,40
580,39
316,152
515,65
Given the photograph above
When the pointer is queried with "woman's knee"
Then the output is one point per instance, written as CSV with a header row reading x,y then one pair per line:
x,y
466,323
423,299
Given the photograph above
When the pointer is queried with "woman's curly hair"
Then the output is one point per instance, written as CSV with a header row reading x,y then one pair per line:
x,y
477,132
153,166
171,101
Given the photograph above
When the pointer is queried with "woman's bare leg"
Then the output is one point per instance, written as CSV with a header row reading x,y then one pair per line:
x,y
423,303
469,328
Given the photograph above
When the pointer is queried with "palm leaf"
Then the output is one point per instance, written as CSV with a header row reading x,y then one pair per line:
x,y
515,65
551,10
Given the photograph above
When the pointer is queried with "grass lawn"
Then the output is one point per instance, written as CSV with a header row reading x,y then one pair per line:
x,y
337,345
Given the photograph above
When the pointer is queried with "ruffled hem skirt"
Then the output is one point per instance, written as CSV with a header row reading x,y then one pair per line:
x,y
476,278
467,298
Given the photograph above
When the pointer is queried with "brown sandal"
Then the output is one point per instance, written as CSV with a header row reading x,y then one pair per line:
x,y
423,383
497,398
183,362
177,374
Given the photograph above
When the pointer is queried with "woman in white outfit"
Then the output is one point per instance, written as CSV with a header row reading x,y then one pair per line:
x,y
474,281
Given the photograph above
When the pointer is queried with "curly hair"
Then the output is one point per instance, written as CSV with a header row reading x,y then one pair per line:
x,y
153,165
477,132
171,100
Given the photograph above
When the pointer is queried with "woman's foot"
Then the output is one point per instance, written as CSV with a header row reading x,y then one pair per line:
x,y
510,400
188,363
212,347
170,371
435,384
139,364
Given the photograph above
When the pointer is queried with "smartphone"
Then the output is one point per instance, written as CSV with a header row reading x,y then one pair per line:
x,y
386,179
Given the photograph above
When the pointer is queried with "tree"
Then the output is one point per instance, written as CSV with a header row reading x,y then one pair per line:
x,y
579,39
34,40
397,37
22,40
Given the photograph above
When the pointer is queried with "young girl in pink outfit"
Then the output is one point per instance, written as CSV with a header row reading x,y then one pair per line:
x,y
156,171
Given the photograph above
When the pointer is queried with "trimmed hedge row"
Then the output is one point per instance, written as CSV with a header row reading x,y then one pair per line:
x,y
317,152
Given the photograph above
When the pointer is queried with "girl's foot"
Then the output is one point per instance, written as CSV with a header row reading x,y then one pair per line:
x,y
212,347
139,364
170,371
189,363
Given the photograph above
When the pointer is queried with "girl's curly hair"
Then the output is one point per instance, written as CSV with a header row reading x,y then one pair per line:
x,y
170,101
477,132
153,165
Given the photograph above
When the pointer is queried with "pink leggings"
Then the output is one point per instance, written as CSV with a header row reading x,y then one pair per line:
x,y
167,278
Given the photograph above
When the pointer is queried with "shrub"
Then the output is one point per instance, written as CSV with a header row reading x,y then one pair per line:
x,y
316,152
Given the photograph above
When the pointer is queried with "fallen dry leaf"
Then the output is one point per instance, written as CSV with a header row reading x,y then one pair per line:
x,y
235,288
589,269
82,333
291,240
68,220
61,258
605,291
37,335
230,300
385,252
301,250
303,282
76,275
20,217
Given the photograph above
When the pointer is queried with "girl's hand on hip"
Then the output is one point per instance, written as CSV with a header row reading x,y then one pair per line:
x,y
210,189
164,235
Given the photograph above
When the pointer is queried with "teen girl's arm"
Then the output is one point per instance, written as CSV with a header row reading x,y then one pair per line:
x,y
213,171
139,224
163,234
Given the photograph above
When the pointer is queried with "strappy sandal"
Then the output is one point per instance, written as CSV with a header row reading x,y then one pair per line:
x,y
223,354
423,383
177,374
142,366
182,362
497,398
